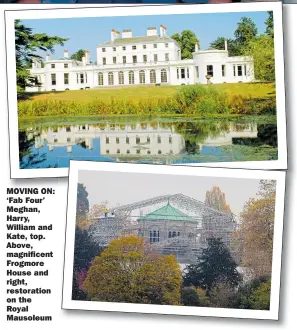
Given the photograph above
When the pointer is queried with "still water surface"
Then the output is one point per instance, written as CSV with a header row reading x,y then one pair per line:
x,y
48,143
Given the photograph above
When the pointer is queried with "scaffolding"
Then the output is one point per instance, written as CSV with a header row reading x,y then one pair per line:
x,y
209,222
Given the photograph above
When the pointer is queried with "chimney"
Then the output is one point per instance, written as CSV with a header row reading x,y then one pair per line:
x,y
66,53
114,35
84,60
226,45
151,31
196,46
87,56
47,57
127,34
163,31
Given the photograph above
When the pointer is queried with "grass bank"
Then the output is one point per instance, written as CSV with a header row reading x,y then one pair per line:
x,y
194,100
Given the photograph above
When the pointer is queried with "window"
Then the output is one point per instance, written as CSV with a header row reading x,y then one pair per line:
x,y
163,76
245,69
118,151
114,60
110,78
104,60
68,129
144,46
159,152
100,78
155,57
117,140
124,60
138,151
82,80
86,75
65,65
107,140
107,151
77,78
127,140
103,50
154,236
53,75
128,151
148,152
155,45
141,77
182,73
234,71
144,58
134,59
188,73
166,57
137,139
170,139
223,70
68,139
239,70
114,49
131,77
121,78
66,78
53,66
209,70
124,48
166,45
197,71
148,139
133,47
159,139
152,76
177,73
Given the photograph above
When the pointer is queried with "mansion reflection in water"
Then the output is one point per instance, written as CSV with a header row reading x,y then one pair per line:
x,y
134,140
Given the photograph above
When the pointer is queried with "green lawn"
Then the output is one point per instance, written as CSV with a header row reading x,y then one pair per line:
x,y
256,90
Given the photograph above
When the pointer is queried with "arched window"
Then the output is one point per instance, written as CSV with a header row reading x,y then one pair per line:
x,y
141,77
131,77
121,78
100,78
110,78
153,76
163,76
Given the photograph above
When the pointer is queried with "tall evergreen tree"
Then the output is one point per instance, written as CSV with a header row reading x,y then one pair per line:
x,y
215,265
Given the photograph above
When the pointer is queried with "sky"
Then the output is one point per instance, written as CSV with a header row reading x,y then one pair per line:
x,y
124,188
87,33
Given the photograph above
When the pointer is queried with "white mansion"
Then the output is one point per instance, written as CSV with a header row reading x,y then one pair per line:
x,y
154,59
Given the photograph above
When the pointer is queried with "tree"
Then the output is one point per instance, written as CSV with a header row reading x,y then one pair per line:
x,y
78,55
216,199
82,204
269,25
214,266
257,228
219,43
189,296
127,272
262,51
186,40
254,294
246,31
26,45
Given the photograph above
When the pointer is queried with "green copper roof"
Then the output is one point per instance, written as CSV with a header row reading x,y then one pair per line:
x,y
167,212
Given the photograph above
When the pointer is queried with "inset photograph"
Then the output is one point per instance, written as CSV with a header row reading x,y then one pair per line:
x,y
173,240
143,89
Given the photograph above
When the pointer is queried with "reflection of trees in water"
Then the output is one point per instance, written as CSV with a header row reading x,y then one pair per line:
x,y
28,158
267,135
192,148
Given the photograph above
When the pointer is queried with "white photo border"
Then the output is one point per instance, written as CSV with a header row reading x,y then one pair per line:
x,y
76,166
56,11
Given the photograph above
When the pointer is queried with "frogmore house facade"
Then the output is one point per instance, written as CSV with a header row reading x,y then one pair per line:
x,y
153,59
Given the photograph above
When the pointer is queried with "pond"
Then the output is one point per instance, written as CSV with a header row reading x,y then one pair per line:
x,y
46,143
